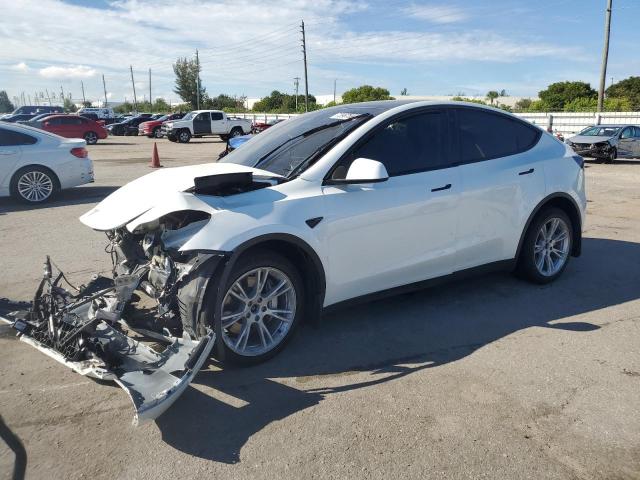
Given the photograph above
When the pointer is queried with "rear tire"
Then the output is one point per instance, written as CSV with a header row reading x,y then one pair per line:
x,y
547,247
184,136
236,132
91,138
34,185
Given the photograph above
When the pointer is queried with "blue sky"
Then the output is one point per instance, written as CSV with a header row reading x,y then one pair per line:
x,y
251,47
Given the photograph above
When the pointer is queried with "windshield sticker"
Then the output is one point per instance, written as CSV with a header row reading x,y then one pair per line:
x,y
344,116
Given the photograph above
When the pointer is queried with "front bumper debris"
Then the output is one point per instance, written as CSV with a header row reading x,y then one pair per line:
x,y
88,331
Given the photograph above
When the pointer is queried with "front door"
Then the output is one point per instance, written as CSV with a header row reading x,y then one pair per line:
x,y
397,232
202,123
627,143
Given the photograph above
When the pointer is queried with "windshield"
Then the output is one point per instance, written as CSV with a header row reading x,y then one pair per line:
x,y
163,118
288,148
189,116
600,131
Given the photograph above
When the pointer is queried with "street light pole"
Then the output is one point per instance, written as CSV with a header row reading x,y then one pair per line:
x,y
605,55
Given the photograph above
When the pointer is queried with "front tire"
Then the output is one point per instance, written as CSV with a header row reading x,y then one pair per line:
x,y
261,308
157,132
34,185
612,156
184,136
547,247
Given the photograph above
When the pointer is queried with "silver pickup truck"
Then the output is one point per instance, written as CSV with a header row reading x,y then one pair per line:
x,y
204,123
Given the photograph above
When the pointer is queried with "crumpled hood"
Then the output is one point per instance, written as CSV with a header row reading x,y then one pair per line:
x,y
589,139
148,191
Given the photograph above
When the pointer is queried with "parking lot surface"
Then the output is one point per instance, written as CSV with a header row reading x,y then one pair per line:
x,y
485,378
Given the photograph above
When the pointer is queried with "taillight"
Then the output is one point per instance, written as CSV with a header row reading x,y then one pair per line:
x,y
79,152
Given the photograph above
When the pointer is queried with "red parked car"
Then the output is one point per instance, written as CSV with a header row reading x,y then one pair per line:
x,y
152,127
75,126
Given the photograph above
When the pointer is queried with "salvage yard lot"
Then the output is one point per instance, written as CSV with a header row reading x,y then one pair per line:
x,y
489,377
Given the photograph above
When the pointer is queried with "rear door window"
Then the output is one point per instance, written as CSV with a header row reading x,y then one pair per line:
x,y
216,115
483,135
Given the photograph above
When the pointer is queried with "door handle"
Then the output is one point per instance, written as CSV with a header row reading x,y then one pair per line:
x,y
526,172
439,189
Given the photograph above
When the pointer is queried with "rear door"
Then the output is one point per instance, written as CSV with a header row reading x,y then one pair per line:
x,y
501,183
202,123
218,123
10,153
626,145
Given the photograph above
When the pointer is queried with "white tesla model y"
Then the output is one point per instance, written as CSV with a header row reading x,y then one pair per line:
x,y
332,206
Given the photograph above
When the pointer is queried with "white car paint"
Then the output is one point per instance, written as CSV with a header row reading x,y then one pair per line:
x,y
50,151
373,236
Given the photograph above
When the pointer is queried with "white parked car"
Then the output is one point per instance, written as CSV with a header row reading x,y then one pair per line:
x,y
336,205
201,123
35,165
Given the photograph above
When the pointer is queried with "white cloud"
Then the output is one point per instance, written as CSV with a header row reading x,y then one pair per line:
x,y
20,67
71,71
436,13
240,54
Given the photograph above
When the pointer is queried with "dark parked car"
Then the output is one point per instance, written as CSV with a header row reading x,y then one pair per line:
x,y
34,109
18,117
128,127
152,128
36,122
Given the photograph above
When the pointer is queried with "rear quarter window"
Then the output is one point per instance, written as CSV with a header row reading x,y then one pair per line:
x,y
9,138
483,135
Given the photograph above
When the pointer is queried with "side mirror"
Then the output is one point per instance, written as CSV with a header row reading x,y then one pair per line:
x,y
363,170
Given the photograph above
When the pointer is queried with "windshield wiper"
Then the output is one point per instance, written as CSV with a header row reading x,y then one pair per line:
x,y
322,149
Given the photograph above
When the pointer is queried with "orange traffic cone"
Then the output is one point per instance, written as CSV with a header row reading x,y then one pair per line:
x,y
155,159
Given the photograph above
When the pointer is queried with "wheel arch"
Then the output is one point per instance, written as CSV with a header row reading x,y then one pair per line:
x,y
55,177
567,204
302,255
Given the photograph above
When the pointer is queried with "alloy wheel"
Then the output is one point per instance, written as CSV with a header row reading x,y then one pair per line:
x,y
91,138
258,311
551,248
35,186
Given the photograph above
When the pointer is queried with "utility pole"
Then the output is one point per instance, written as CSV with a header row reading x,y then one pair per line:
x,y
605,55
62,94
104,86
306,80
48,97
29,99
135,100
296,82
150,101
36,98
84,100
198,81
334,89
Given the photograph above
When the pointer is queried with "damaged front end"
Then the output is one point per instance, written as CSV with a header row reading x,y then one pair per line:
x,y
143,327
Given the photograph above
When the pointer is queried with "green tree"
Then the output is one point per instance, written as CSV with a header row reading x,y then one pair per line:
x,y
523,105
628,88
69,106
503,93
5,104
404,92
558,94
224,101
591,105
187,82
365,93
125,107
492,95
278,102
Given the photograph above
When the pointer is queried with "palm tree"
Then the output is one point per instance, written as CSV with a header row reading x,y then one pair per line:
x,y
492,95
